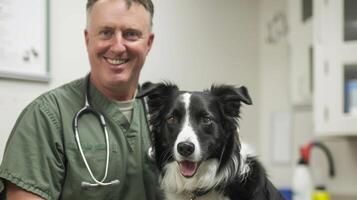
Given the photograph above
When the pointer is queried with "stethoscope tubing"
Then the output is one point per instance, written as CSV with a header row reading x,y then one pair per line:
x,y
86,109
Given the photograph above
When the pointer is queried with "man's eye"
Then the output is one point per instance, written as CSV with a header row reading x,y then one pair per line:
x,y
106,34
132,35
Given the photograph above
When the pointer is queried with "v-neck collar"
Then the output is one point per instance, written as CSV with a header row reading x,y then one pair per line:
x,y
110,111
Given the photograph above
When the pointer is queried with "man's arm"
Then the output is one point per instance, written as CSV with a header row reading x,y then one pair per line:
x,y
15,193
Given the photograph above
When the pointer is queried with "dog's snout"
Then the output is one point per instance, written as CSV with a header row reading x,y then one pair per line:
x,y
185,148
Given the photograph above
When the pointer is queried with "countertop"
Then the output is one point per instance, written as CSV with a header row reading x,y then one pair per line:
x,y
342,197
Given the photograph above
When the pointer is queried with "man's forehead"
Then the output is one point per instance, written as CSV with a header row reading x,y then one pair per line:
x,y
109,15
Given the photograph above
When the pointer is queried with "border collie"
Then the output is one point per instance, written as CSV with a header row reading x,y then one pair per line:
x,y
196,145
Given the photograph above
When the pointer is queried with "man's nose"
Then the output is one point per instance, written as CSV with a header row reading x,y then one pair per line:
x,y
118,43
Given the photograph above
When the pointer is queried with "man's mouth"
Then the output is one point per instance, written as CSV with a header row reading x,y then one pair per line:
x,y
116,61
188,168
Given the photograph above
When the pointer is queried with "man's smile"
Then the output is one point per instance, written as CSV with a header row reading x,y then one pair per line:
x,y
116,61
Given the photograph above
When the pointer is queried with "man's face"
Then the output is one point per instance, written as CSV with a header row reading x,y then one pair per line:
x,y
118,39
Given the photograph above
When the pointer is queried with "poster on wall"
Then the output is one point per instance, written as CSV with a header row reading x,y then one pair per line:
x,y
24,39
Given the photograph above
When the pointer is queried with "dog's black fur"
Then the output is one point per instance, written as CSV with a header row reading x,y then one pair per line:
x,y
197,148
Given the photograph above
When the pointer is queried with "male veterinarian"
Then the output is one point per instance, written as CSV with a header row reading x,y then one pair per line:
x,y
88,139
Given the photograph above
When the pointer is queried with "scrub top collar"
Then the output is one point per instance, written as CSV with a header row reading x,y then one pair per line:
x,y
110,109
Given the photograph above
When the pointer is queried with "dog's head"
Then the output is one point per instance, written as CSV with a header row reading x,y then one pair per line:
x,y
190,128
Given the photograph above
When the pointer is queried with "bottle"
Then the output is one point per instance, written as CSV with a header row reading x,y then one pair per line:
x,y
321,193
302,185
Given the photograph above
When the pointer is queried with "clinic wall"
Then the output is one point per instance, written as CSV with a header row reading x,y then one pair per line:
x,y
67,62
274,88
197,43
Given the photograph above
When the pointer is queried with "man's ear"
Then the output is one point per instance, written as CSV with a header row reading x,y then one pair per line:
x,y
150,41
86,37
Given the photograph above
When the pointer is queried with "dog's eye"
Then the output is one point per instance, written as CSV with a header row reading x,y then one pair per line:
x,y
171,120
206,120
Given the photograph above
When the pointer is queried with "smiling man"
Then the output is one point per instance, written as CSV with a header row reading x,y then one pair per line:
x,y
44,157
118,40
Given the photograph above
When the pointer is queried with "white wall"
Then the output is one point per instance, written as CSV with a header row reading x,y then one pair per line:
x,y
197,43
67,57
274,87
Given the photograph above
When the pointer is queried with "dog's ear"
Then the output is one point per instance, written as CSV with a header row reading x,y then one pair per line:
x,y
147,88
244,95
157,96
230,98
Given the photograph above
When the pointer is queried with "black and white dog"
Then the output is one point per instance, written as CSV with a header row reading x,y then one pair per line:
x,y
197,148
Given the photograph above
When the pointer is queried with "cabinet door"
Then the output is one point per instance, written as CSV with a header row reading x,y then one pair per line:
x,y
335,42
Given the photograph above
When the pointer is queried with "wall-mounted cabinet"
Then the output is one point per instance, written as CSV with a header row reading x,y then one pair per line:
x,y
335,67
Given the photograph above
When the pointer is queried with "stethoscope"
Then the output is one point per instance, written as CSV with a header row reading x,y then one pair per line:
x,y
88,109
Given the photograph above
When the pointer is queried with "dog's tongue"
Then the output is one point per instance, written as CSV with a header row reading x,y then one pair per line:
x,y
187,168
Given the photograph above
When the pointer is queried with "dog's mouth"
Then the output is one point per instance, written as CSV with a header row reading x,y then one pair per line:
x,y
188,168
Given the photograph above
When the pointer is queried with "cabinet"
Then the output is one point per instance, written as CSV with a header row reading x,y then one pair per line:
x,y
335,67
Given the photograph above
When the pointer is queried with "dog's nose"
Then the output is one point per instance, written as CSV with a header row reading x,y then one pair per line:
x,y
185,148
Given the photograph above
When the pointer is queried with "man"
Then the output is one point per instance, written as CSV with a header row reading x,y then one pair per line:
x,y
42,159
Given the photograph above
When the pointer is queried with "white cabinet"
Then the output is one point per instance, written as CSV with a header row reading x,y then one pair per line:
x,y
335,67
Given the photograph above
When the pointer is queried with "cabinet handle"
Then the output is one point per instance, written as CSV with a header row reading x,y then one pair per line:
x,y
326,67
326,114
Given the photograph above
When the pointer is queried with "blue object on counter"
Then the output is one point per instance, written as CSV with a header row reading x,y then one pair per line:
x,y
287,193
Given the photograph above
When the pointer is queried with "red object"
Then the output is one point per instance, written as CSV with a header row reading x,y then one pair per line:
x,y
305,152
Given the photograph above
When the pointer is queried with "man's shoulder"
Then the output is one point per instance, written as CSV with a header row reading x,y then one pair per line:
x,y
72,88
68,92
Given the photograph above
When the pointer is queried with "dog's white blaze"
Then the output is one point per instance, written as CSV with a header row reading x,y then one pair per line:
x,y
187,134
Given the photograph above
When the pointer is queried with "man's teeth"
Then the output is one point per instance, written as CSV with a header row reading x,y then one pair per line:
x,y
116,61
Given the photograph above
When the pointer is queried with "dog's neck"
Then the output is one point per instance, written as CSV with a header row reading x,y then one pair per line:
x,y
211,195
198,193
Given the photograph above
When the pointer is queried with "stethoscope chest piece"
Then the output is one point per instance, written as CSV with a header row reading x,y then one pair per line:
x,y
151,154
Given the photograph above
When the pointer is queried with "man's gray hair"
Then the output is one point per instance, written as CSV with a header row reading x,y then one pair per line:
x,y
148,5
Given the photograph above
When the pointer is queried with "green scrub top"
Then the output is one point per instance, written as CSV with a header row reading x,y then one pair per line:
x,y
42,157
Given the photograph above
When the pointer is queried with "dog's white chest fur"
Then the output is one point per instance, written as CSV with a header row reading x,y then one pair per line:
x,y
184,196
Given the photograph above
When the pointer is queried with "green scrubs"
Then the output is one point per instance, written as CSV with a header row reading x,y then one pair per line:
x,y
42,156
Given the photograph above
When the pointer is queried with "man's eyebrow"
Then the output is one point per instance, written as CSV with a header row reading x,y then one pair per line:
x,y
133,29
105,27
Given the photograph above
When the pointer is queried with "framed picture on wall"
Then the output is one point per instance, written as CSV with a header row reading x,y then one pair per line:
x,y
24,39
